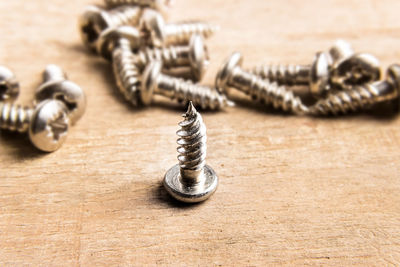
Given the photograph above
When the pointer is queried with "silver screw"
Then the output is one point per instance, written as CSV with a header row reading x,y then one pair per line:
x,y
112,38
194,58
340,68
95,19
232,75
57,86
47,123
9,86
154,82
191,180
361,97
128,67
160,5
116,44
160,33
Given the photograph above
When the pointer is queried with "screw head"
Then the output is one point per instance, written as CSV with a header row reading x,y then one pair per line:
x,y
226,72
49,125
149,81
67,92
355,70
92,22
319,75
109,38
198,57
341,50
393,76
9,86
190,193
153,26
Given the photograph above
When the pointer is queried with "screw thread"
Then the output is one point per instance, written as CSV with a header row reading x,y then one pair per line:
x,y
171,57
180,33
184,90
267,92
14,117
192,147
126,73
284,74
125,15
360,97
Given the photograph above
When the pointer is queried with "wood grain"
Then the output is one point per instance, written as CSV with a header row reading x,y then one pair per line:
x,y
293,191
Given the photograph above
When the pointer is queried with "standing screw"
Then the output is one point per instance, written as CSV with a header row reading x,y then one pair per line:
x,y
9,86
154,82
94,20
47,124
339,68
160,5
232,75
191,180
194,57
361,97
128,67
57,86
160,33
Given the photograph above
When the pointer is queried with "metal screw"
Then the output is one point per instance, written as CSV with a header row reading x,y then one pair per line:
x,y
160,5
57,86
128,67
232,75
361,97
9,86
47,123
112,38
95,19
160,33
154,82
193,57
340,68
191,180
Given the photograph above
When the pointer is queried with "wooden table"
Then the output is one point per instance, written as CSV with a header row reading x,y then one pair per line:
x,y
293,190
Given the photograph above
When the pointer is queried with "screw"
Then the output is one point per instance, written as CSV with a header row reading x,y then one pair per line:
x,y
339,68
154,82
111,38
193,57
47,123
361,97
94,20
57,86
191,180
116,44
159,33
160,5
9,86
128,67
232,75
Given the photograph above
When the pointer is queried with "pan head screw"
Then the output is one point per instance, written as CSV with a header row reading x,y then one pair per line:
x,y
56,86
94,20
49,125
191,180
110,38
9,86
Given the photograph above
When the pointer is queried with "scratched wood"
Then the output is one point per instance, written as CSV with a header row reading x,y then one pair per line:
x,y
293,191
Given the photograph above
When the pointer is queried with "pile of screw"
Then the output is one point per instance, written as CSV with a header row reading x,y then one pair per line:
x,y
58,104
150,56
340,80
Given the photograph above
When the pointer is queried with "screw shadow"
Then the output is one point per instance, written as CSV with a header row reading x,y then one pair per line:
x,y
22,146
161,197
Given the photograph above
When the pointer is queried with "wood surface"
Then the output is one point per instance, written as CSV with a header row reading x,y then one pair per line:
x,y
293,190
